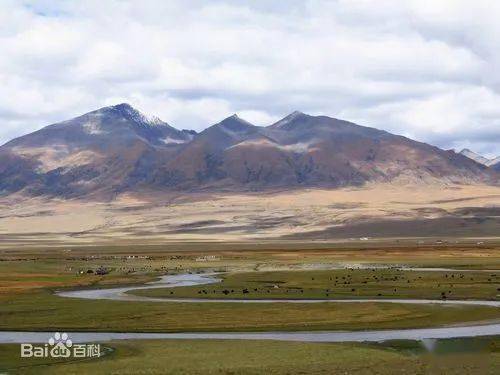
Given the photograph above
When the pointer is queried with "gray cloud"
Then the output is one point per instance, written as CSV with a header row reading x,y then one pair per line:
x,y
423,69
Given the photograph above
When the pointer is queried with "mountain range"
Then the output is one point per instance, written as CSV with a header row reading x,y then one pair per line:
x,y
117,149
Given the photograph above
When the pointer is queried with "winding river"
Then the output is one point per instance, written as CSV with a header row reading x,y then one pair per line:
x,y
170,281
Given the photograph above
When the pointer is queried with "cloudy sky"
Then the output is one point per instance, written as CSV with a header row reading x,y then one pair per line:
x,y
429,70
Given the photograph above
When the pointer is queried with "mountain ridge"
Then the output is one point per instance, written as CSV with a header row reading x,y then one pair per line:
x,y
117,149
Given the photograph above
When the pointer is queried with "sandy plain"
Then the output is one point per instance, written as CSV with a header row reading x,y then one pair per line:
x,y
468,211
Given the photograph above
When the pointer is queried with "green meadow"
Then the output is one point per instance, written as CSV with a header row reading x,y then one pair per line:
x,y
344,284
269,357
28,280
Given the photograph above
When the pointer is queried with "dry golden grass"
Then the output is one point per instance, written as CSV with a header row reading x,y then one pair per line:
x,y
230,217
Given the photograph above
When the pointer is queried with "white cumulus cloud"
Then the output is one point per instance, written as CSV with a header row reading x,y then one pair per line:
x,y
426,69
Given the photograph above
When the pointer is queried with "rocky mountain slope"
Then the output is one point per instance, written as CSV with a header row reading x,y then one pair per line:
x,y
117,149
94,152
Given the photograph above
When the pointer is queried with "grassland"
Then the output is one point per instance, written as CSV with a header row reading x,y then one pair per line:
x,y
345,283
28,278
282,239
43,311
270,357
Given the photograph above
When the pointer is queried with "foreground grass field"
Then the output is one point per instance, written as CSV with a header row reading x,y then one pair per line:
x,y
345,283
270,357
28,279
43,311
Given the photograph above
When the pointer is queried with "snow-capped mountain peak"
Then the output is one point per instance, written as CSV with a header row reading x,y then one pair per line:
x,y
137,116
288,119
